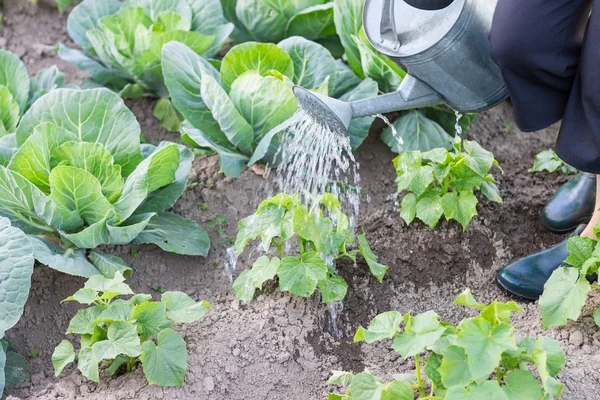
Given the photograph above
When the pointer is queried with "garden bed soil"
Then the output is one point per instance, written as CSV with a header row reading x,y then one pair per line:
x,y
282,347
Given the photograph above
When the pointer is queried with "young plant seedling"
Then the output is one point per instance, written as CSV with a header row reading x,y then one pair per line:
x,y
479,358
567,290
442,182
549,161
118,333
323,235
220,222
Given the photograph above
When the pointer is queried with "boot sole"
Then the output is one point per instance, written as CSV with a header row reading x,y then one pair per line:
x,y
515,295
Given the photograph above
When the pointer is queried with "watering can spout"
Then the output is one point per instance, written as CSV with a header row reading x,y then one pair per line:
x,y
337,114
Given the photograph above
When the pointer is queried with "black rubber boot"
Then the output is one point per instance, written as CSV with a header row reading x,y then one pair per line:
x,y
572,204
525,278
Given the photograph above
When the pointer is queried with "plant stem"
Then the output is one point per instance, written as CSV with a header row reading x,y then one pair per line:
x,y
130,364
279,247
595,287
419,380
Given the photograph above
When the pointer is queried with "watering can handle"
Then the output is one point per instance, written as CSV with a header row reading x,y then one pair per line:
x,y
388,23
429,4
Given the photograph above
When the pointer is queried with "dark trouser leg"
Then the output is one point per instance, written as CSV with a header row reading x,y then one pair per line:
x,y
536,45
579,140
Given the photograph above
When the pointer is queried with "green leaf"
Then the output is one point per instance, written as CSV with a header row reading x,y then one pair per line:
x,y
300,276
100,74
122,339
80,324
182,308
175,234
484,345
477,158
165,363
522,385
95,159
313,64
108,264
9,112
549,161
345,80
232,162
408,207
94,116
383,326
377,67
16,370
155,8
421,332
86,16
116,364
271,221
415,178
183,77
489,390
16,268
264,102
554,354
249,280
348,22
118,310
150,316
564,296
429,208
87,364
333,289
491,191
581,249
378,270
260,21
500,313
461,207
417,132
165,197
75,189
63,355
232,123
156,171
434,362
454,370
104,284
253,56
207,15
340,378
14,76
466,299
168,116
83,296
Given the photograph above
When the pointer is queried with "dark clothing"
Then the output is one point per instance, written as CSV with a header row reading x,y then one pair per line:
x,y
553,73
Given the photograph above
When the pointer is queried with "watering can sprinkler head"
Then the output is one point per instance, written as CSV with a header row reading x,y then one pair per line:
x,y
444,47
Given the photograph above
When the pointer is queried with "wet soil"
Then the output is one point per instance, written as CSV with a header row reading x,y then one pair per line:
x,y
280,347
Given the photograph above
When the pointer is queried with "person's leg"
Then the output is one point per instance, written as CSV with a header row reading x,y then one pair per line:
x,y
536,45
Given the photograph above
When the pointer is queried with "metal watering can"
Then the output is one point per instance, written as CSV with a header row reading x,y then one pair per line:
x,y
444,47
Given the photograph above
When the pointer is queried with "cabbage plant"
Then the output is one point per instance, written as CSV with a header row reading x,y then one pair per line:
x,y
80,179
18,91
275,20
121,43
236,111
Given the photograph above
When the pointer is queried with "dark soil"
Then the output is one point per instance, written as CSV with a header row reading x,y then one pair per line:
x,y
281,347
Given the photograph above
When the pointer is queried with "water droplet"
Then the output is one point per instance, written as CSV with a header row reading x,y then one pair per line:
x,y
231,263
395,134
